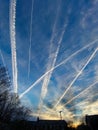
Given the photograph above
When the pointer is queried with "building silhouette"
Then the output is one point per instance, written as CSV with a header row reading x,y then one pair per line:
x,y
52,124
92,121
41,125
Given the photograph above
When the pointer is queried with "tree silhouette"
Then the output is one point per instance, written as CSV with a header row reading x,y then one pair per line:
x,y
10,105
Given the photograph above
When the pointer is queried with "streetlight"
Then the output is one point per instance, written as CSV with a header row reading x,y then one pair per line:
x,y
60,115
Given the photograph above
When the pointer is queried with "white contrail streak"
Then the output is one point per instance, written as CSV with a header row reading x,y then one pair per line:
x,y
31,22
51,62
13,42
85,90
47,77
54,29
80,72
81,102
61,63
2,58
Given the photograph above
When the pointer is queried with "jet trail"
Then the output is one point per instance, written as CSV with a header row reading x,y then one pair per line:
x,y
31,22
2,58
51,62
80,93
91,57
48,76
61,63
13,42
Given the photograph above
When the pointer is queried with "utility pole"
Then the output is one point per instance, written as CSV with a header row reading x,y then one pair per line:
x,y
60,115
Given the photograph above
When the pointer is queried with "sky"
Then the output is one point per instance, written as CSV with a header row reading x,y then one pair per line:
x,y
50,48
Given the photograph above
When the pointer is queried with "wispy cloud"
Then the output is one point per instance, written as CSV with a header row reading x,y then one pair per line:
x,y
47,78
2,58
31,21
51,61
80,72
61,63
81,93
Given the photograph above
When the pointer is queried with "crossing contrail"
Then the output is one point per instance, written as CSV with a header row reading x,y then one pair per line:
x,y
85,90
51,62
80,72
48,76
31,22
61,63
2,58
13,42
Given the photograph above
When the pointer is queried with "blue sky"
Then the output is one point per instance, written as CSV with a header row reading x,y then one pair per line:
x,y
56,54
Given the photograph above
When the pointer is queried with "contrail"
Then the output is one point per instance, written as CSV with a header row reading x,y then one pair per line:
x,y
79,104
48,76
91,57
49,64
31,22
2,58
13,42
61,63
54,29
80,93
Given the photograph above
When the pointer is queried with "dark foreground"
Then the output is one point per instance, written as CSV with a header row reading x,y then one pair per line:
x,y
91,124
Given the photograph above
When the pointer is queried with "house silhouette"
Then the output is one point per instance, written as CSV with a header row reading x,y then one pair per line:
x,y
42,125
92,121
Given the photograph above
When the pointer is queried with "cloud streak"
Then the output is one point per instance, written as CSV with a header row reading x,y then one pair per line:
x,y
51,62
3,61
48,76
85,90
31,22
61,63
80,72
13,42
